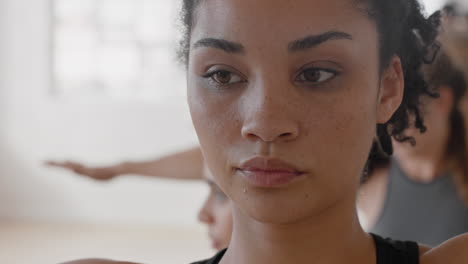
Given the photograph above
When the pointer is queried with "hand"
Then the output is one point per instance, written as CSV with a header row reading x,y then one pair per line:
x,y
102,174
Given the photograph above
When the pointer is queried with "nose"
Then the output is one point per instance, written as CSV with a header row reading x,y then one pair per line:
x,y
268,116
204,214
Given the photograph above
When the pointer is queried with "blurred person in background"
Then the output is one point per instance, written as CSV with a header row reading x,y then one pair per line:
x,y
421,193
187,165
455,39
455,35
215,212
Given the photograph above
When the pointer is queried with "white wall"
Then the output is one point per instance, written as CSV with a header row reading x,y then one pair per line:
x,y
36,126
2,50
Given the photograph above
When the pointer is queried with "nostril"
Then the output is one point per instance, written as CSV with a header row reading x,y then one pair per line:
x,y
269,131
252,136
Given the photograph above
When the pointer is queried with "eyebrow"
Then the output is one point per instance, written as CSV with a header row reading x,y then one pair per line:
x,y
315,40
295,46
222,44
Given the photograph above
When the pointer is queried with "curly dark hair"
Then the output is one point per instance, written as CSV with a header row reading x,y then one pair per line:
x,y
405,32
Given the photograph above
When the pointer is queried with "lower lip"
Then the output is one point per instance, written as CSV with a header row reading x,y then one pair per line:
x,y
270,179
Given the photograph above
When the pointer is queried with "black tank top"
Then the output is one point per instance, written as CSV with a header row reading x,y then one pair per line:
x,y
388,252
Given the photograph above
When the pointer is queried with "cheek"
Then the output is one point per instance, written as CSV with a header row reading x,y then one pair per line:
x,y
223,222
224,219
216,121
341,135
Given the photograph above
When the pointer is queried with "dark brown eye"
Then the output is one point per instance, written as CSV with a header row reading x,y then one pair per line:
x,y
312,75
222,77
316,75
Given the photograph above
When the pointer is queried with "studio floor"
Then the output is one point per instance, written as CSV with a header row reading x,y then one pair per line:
x,y
39,243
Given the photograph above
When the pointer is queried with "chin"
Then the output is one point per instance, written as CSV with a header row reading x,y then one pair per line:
x,y
280,208
277,217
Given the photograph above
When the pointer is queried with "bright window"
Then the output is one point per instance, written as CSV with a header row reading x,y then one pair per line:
x,y
116,48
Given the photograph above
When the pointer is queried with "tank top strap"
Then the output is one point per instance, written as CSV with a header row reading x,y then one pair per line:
x,y
395,252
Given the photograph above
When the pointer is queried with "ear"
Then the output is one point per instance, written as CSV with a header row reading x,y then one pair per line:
x,y
392,86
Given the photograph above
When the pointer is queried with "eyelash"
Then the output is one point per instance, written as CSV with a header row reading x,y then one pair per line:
x,y
333,73
210,77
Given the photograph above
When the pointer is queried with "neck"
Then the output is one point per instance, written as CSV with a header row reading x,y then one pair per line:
x,y
332,236
424,164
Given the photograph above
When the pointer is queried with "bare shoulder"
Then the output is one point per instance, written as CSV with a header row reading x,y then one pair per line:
x,y
453,251
97,261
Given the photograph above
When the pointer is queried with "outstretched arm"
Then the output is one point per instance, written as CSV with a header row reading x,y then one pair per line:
x,y
182,165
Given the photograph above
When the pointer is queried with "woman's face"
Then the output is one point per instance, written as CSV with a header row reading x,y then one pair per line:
x,y
216,213
285,97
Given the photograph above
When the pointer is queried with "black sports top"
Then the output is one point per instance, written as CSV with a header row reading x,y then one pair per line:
x,y
388,252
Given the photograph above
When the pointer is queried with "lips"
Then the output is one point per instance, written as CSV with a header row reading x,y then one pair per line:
x,y
269,172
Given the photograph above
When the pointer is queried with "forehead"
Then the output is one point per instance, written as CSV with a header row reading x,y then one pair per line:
x,y
273,19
